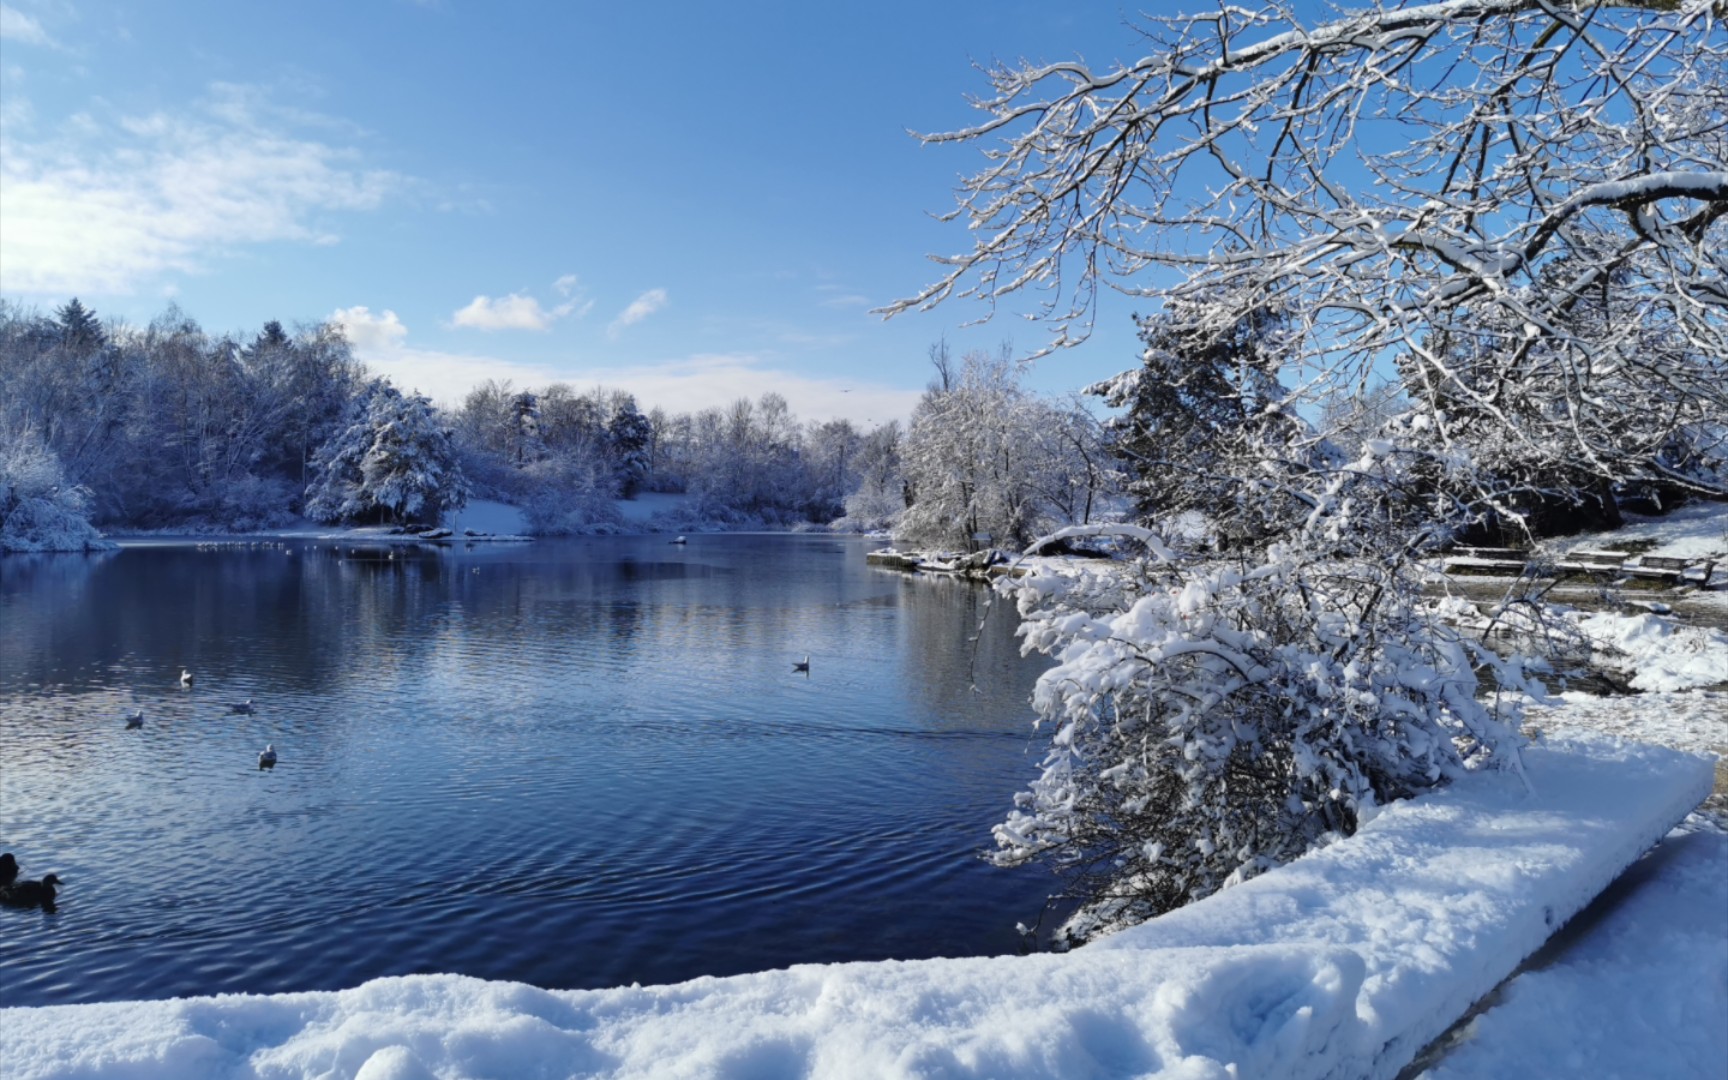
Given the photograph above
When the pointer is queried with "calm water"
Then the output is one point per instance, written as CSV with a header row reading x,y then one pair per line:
x,y
575,764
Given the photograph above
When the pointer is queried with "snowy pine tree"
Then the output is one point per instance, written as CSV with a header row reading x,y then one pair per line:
x,y
394,461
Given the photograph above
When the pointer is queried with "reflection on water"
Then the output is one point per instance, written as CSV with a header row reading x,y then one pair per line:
x,y
576,764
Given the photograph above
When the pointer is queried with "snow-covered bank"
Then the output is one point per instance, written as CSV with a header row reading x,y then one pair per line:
x,y
485,516
1659,652
1343,963
1643,994
1698,531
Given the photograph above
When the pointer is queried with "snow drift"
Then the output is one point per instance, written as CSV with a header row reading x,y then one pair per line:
x,y
1342,963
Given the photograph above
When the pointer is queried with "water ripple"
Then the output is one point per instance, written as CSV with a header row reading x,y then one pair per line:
x,y
587,763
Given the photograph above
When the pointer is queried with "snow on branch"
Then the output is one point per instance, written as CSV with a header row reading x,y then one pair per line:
x,y
1383,179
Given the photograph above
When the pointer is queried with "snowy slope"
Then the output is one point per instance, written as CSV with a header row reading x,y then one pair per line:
x,y
1343,963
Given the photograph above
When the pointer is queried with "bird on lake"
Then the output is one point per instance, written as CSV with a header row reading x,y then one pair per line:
x,y
681,540
136,720
267,758
242,707
185,677
31,893
802,665
8,869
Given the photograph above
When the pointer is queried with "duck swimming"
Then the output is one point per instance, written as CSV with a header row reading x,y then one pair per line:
x,y
242,707
31,893
802,665
136,720
267,758
8,869
185,677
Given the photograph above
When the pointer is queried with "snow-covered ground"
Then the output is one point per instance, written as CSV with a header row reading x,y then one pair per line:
x,y
1698,531
1641,993
1344,963
485,516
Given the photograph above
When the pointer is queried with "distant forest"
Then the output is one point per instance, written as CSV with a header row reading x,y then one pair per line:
x,y
171,427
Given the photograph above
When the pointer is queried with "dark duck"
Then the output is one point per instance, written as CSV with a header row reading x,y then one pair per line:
x,y
30,893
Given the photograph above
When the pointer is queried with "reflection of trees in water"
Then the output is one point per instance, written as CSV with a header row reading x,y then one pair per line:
x,y
32,632
311,618
960,644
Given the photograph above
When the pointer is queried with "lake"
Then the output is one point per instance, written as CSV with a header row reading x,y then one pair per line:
x,y
576,763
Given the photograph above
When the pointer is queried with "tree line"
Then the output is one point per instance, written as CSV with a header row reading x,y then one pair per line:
x,y
169,426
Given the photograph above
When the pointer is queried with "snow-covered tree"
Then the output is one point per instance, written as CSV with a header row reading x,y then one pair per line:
x,y
1523,205
880,497
39,509
982,455
629,437
394,461
1198,411
831,459
1374,175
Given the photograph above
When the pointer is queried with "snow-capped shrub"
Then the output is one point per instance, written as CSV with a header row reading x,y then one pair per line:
x,y
39,511
566,496
1211,719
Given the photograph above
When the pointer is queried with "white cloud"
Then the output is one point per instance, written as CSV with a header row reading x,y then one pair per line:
x,y
700,382
519,311
368,332
19,27
380,342
513,312
640,308
705,381
838,296
107,204
846,300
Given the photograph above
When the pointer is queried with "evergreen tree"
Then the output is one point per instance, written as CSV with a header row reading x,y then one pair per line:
x,y
629,438
393,461
79,329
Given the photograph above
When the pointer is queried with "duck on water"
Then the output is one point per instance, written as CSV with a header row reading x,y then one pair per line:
x,y
27,894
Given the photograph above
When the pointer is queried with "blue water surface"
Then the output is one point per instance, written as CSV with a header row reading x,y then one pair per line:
x,y
572,763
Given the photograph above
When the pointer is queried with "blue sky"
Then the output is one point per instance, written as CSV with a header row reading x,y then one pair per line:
x,y
690,201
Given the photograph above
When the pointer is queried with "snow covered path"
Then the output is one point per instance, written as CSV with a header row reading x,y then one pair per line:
x,y
1342,964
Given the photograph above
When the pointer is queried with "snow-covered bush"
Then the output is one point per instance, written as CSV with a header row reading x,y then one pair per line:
x,y
1211,719
566,496
39,510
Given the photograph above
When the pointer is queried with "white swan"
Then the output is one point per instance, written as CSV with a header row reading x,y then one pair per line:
x,y
185,677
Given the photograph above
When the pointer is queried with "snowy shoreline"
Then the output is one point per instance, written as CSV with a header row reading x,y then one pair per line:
x,y
1343,963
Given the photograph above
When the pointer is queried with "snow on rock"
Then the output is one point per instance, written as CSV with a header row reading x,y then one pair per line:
x,y
1341,964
